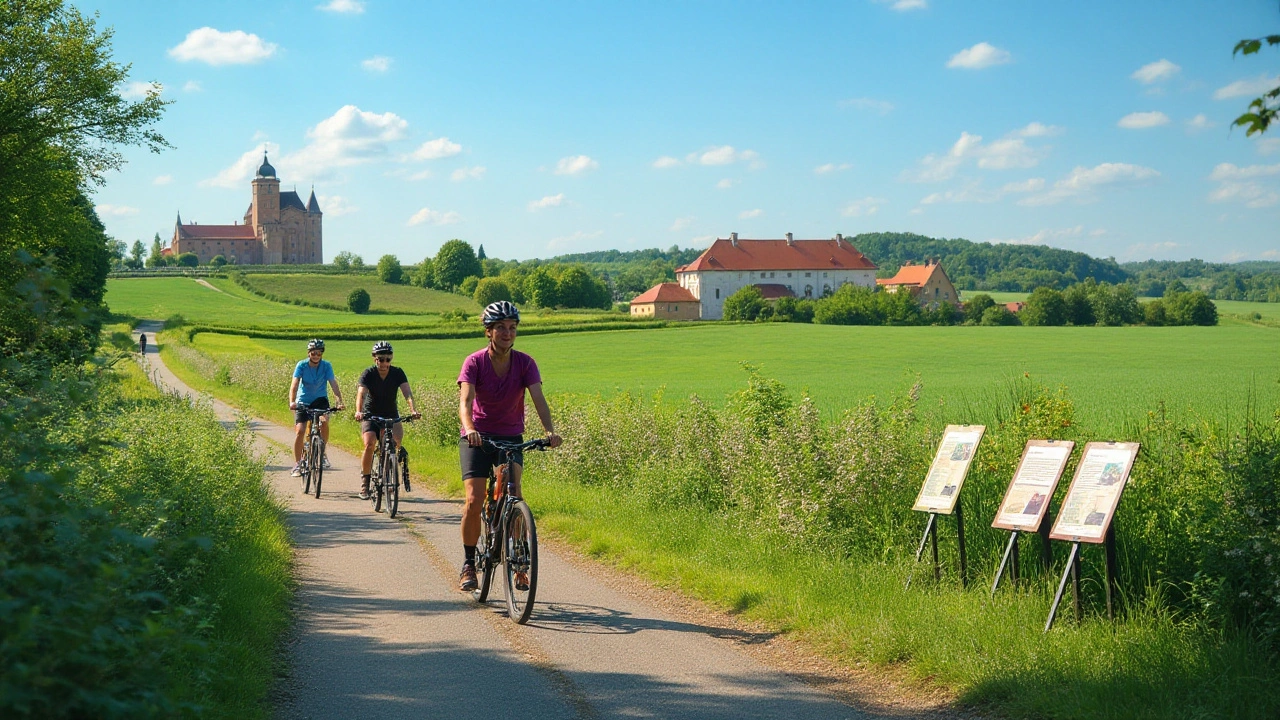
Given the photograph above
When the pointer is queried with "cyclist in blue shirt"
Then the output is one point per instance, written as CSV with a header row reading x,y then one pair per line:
x,y
311,375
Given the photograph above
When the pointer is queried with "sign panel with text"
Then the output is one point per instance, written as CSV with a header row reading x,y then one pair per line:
x,y
950,466
1029,493
1095,491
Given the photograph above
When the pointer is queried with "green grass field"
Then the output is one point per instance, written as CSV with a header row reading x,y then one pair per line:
x,y
334,289
1113,374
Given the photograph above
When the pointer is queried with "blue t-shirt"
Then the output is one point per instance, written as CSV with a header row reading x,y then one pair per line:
x,y
313,380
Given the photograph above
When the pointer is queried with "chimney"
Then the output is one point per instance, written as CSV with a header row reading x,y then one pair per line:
x,y
839,237
733,239
790,241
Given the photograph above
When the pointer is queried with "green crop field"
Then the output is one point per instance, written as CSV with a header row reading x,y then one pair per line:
x,y
1113,374
333,289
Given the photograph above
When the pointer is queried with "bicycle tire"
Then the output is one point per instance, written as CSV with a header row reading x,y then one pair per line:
x,y
375,484
317,463
305,472
403,456
484,564
391,481
520,553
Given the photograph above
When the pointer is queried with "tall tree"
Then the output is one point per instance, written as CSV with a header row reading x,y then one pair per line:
x,y
455,261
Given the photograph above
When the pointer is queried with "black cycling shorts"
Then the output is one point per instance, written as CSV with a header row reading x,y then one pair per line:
x,y
300,415
477,461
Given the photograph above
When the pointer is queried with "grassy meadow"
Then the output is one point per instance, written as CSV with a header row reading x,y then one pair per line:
x,y
384,298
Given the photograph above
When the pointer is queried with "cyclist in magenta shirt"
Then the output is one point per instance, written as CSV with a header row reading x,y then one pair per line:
x,y
491,386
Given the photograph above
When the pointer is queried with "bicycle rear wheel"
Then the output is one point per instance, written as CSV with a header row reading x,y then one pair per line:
x,y
485,562
391,481
317,464
520,557
375,484
404,467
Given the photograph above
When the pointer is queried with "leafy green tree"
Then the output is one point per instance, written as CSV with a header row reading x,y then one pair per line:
x,y
849,305
156,257
1153,313
389,270
998,315
188,259
454,262
342,260
541,288
136,255
492,289
1045,306
468,285
358,301
1191,308
789,309
357,261
1114,305
1079,306
745,304
424,275
975,306
898,308
1262,110
480,255
218,261
577,288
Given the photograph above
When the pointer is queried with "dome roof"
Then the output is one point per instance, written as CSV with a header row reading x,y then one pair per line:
x,y
265,170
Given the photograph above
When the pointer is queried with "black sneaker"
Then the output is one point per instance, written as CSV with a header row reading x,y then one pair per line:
x,y
364,489
467,580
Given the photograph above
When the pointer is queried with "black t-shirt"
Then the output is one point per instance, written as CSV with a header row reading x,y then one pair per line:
x,y
380,398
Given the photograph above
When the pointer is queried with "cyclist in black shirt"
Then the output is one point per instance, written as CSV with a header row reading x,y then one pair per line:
x,y
376,397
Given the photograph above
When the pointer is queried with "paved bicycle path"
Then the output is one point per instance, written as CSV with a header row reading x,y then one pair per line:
x,y
382,632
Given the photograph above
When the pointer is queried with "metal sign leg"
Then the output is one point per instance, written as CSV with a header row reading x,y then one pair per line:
x,y
964,568
1110,547
1062,585
928,530
1075,586
1009,550
933,540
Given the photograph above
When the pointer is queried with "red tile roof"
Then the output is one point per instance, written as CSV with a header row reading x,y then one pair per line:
x,y
724,254
910,275
664,292
217,232
773,291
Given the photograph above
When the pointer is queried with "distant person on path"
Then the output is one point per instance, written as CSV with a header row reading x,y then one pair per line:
x,y
376,397
491,406
142,343
311,375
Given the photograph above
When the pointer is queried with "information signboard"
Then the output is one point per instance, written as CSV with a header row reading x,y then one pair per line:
x,y
1095,491
1029,493
946,475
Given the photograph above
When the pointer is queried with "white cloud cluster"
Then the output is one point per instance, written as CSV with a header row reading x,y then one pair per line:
x,y
1009,152
1036,129
982,55
468,173
335,205
975,193
547,201
905,5
883,107
1143,120
1247,88
1267,146
239,172
726,183
351,136
1200,122
1155,72
666,161
377,64
215,47
681,223
441,147
828,168
575,165
137,89
192,86
749,214
1044,237
1245,184
565,242
1083,184
865,207
427,216
115,210
348,7
713,156
162,180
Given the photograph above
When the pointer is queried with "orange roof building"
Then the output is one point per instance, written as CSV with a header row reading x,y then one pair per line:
x,y
666,301
804,268
928,283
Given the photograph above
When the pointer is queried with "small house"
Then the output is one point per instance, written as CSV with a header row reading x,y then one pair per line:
x,y
666,301
928,283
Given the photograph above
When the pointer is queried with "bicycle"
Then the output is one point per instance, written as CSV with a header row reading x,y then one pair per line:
x,y
385,476
312,463
508,534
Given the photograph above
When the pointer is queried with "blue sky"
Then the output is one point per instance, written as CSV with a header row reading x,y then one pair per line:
x,y
537,130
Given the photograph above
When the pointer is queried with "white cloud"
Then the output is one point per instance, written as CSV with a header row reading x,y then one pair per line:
x,y
883,107
725,155
351,7
1241,184
1247,88
464,173
377,63
726,183
974,192
681,224
441,147
1266,146
546,202
1044,237
1200,122
222,48
748,214
905,5
982,55
1036,129
829,168
1024,186
1143,120
116,210
1083,183
137,89
1006,153
335,205
666,161
427,216
420,175
192,86
162,180
865,207
575,165
1157,71
702,241
238,173
351,136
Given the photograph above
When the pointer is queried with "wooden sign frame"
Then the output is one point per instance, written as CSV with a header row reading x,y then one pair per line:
x,y
1114,473
950,466
1032,465
1044,497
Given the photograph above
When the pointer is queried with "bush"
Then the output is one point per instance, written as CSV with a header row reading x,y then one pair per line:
x,y
975,306
1190,308
468,285
998,315
424,275
492,289
174,321
358,301
1045,306
745,304
389,270
1153,313
188,260
218,261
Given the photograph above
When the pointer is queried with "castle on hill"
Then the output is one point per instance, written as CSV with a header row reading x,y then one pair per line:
x,y
278,229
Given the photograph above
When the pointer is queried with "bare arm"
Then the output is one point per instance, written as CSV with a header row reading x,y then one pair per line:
x,y
337,391
544,413
466,396
360,392
293,394
408,395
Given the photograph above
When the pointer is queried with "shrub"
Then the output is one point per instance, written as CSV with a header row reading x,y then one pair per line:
x,y
188,260
468,285
218,261
424,275
492,289
1079,309
975,306
174,321
745,304
1190,308
1045,306
358,301
1153,312
389,270
998,315
541,289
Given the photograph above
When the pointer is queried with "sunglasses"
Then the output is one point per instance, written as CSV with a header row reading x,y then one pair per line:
x,y
382,359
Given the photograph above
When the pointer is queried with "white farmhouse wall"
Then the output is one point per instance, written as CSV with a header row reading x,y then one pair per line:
x,y
712,287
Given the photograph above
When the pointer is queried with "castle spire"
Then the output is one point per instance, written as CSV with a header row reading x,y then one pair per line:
x,y
312,205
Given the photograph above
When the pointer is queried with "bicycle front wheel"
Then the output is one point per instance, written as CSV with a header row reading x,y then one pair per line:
x,y
317,464
391,481
306,471
485,562
520,560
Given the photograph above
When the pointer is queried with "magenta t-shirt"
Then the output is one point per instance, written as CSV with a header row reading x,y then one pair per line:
x,y
498,408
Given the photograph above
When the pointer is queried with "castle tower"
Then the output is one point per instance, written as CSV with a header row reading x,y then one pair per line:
x,y
266,212
315,242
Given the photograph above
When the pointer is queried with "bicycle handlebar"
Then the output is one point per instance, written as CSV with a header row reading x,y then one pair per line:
x,y
388,421
535,444
326,411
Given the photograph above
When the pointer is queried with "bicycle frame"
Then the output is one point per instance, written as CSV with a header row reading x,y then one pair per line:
x,y
496,515
385,453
